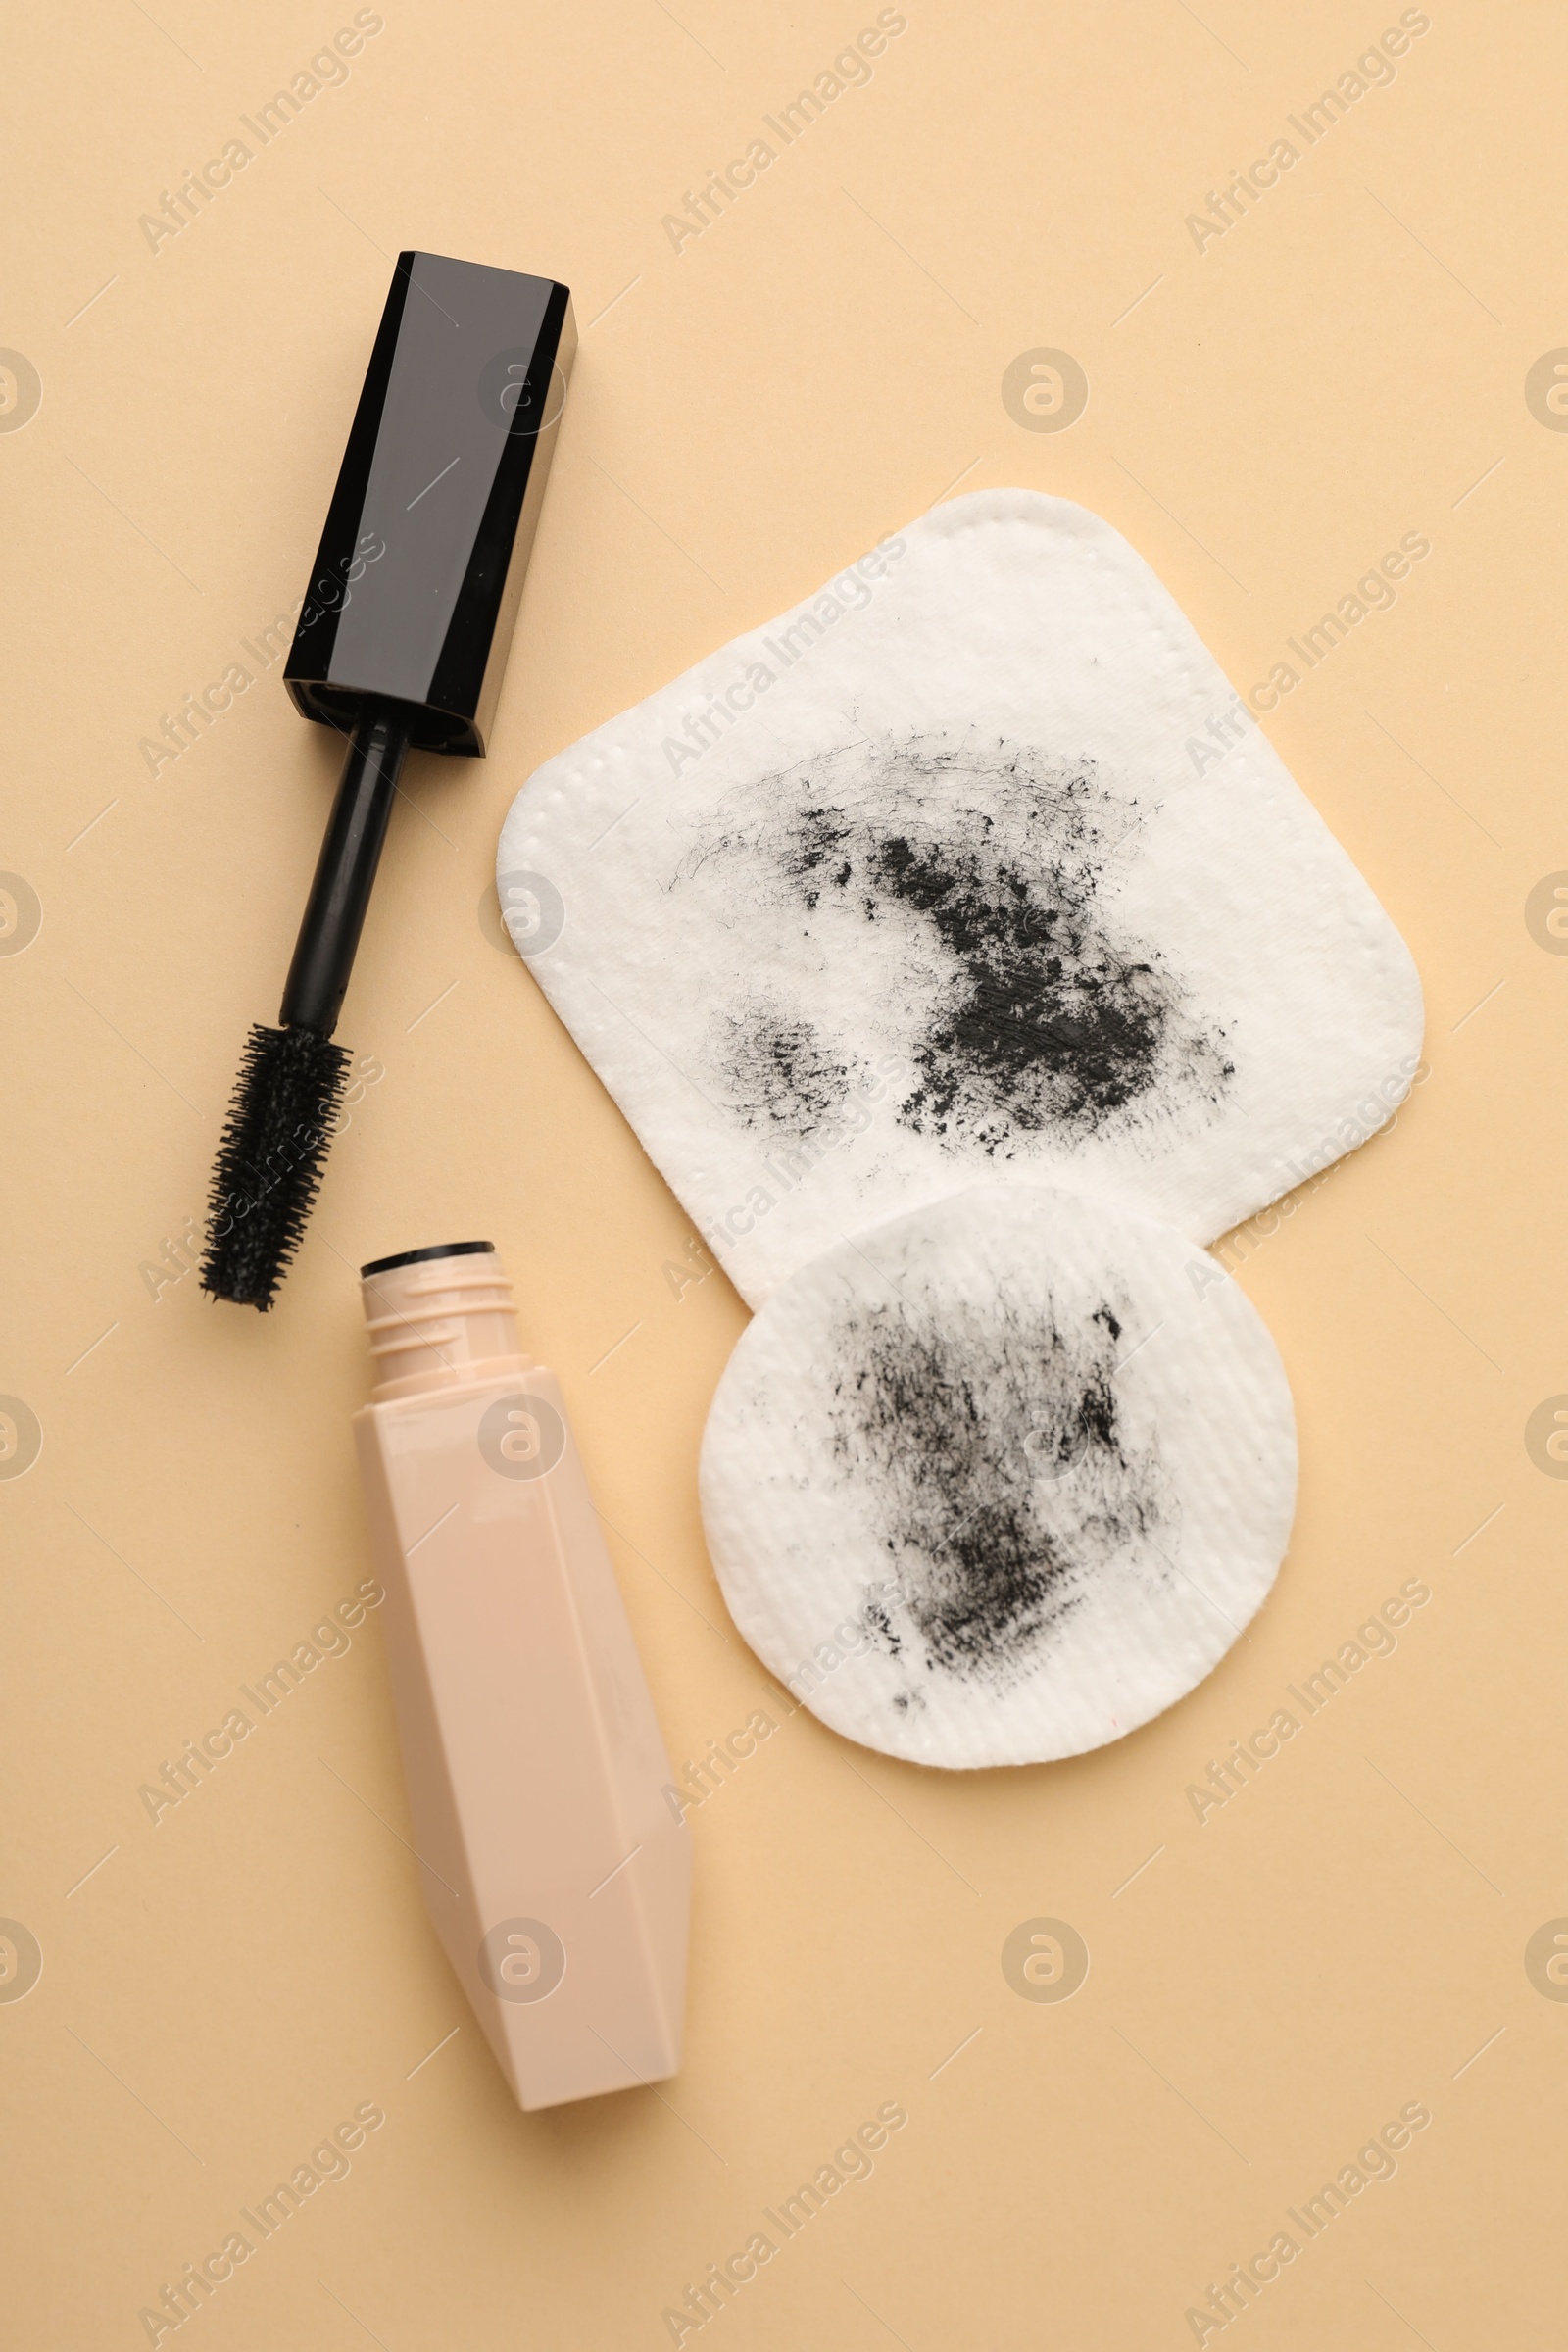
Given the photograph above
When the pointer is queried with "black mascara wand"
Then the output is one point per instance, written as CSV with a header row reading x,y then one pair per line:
x,y
292,1078
399,645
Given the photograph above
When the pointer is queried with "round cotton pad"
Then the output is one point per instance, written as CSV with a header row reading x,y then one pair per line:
x,y
1001,1479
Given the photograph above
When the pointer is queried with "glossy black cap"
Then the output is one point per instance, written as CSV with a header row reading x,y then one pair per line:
x,y
415,1257
416,580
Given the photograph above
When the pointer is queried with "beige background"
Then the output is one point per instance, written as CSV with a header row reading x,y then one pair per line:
x,y
1346,364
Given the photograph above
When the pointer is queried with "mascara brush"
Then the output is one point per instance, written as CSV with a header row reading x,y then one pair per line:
x,y
400,646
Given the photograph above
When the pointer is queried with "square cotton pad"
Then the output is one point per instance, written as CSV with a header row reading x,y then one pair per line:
x,y
970,867
998,1481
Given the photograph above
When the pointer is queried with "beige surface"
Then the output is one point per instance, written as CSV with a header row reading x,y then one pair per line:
x,y
1334,1943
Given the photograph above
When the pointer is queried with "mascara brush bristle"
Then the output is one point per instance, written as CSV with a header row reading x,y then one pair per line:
x,y
269,1161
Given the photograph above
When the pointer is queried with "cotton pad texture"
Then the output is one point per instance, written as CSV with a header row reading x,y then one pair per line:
x,y
972,868
1001,1479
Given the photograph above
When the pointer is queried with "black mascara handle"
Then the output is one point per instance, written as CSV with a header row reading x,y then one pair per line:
x,y
334,915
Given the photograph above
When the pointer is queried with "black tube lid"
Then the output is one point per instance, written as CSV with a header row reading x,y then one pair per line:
x,y
418,575
415,1257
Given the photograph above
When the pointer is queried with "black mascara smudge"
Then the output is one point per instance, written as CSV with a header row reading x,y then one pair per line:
x,y
1004,1482
994,872
1050,1022
778,1071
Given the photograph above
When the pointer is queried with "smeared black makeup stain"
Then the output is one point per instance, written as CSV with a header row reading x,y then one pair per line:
x,y
987,875
1000,1474
777,1069
879,1624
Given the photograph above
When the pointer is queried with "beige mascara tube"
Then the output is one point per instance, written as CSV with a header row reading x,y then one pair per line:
x,y
554,1870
